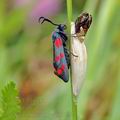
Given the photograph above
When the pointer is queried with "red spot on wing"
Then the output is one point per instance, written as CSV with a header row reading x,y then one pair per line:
x,y
58,42
61,69
61,55
57,58
62,66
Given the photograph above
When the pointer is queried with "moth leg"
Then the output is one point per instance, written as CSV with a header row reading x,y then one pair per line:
x,y
71,53
71,35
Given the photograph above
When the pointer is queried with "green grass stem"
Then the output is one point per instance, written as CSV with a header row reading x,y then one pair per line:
x,y
74,98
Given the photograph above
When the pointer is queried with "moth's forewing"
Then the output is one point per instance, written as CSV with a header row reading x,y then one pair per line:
x,y
59,59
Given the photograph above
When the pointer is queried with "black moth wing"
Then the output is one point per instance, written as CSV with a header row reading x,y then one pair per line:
x,y
60,62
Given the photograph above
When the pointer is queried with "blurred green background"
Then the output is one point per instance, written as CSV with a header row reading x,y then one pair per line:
x,y
26,58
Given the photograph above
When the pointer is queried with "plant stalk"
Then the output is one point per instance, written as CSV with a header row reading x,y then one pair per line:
x,y
74,98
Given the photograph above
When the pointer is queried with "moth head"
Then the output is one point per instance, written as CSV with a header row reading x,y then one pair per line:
x,y
83,22
62,27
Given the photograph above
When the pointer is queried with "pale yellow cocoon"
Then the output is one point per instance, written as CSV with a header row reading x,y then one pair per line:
x,y
78,64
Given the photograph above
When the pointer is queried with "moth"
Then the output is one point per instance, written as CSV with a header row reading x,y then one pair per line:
x,y
61,61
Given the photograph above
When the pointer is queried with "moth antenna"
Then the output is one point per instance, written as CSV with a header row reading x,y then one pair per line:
x,y
45,19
